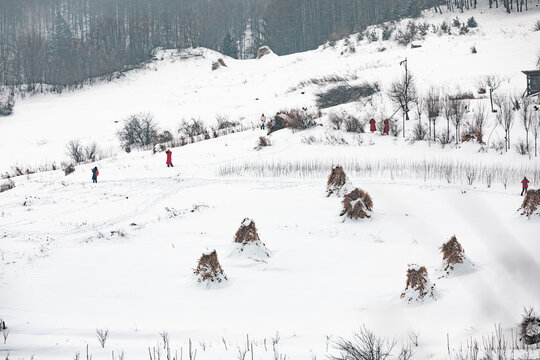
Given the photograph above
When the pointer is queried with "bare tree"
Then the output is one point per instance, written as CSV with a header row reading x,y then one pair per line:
x,y
535,130
102,335
505,116
139,129
489,83
479,122
403,92
75,151
447,112
433,108
458,108
526,116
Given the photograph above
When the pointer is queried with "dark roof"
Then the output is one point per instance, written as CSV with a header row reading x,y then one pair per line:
x,y
531,72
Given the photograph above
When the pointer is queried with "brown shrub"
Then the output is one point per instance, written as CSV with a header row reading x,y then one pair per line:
x,y
208,269
336,180
453,253
357,205
7,185
531,203
247,232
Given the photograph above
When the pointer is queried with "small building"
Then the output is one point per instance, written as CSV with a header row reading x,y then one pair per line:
x,y
533,83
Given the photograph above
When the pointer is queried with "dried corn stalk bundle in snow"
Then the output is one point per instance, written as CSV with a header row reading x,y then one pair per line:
x,y
530,328
454,260
338,184
248,243
209,270
418,286
357,205
531,203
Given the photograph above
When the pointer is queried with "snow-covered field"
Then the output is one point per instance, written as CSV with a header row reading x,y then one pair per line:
x,y
120,254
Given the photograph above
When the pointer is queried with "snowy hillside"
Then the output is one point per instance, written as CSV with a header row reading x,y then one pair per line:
x,y
76,257
173,87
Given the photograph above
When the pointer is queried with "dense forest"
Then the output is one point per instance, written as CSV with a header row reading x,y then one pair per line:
x,y
66,42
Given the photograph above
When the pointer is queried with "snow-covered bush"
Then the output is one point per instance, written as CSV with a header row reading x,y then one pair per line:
x,y
387,32
336,120
264,142
248,243
344,94
365,345
209,270
223,122
297,119
338,184
7,103
454,259
530,327
353,124
68,169
139,130
531,203
80,153
193,127
536,26
7,185
263,51
418,286
2,324
419,131
357,205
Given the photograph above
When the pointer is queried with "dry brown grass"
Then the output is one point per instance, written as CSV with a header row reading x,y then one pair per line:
x,y
217,64
453,253
263,50
417,279
529,327
357,205
336,180
247,232
209,269
7,185
531,203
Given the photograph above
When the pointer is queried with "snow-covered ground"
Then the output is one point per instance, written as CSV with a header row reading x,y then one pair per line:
x,y
120,254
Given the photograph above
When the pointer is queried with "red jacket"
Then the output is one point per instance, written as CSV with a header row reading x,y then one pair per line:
x,y
525,183
372,127
169,157
386,126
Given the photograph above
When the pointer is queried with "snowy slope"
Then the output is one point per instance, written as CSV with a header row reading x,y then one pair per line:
x,y
173,88
119,254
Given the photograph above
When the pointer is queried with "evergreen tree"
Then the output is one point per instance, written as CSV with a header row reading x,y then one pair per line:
x,y
229,46
60,38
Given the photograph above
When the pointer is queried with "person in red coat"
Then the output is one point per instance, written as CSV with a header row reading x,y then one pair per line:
x,y
372,126
525,184
169,158
386,126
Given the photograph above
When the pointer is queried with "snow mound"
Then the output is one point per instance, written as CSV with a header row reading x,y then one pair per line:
x,y
265,51
419,287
